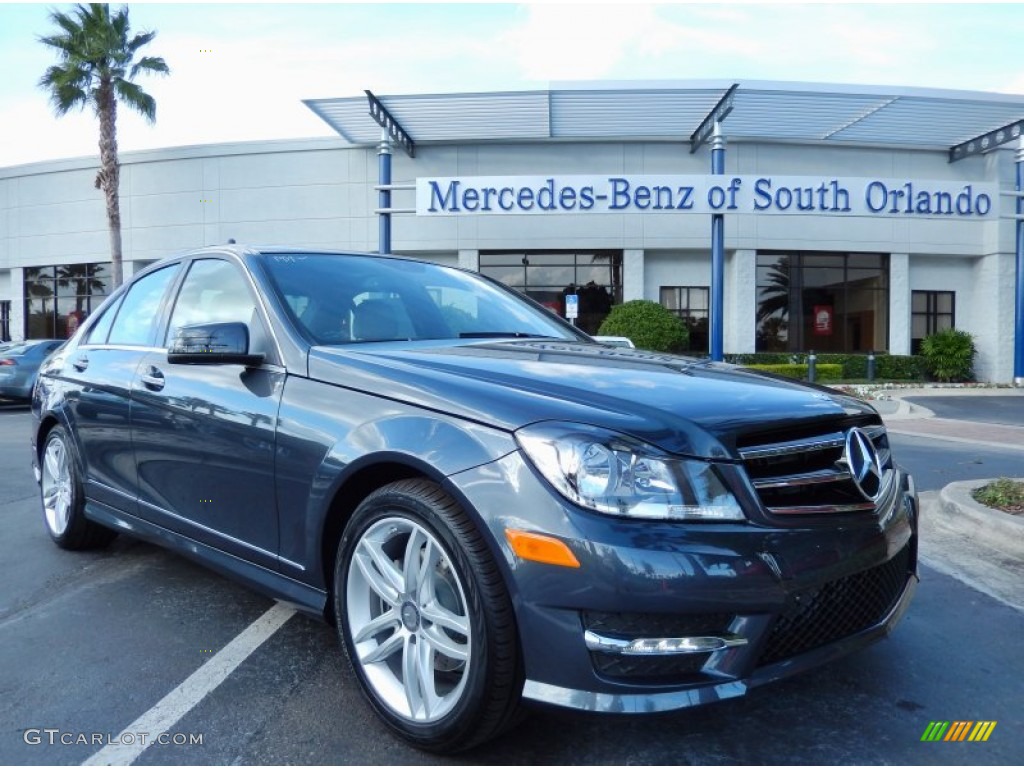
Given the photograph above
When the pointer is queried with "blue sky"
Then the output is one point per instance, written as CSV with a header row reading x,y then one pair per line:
x,y
263,59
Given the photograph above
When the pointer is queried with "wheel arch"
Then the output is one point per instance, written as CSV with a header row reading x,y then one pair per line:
x,y
361,479
47,422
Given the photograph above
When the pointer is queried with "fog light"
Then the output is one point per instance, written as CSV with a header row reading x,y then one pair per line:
x,y
660,646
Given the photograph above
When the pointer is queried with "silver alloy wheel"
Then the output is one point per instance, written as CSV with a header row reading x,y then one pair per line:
x,y
57,486
408,615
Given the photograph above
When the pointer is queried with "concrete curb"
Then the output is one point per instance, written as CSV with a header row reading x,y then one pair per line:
x,y
999,530
906,410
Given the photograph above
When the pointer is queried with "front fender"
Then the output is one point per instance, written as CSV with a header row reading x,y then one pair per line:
x,y
327,436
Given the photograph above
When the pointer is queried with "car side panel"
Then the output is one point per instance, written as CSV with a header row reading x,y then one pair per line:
x,y
328,433
96,383
246,571
204,449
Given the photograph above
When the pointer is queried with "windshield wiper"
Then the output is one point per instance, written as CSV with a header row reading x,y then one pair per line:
x,y
503,334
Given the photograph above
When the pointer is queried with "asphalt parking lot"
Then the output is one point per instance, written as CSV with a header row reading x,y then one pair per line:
x,y
90,643
990,408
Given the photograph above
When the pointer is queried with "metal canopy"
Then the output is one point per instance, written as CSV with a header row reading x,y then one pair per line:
x,y
672,111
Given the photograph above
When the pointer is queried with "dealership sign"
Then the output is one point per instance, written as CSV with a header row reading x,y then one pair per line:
x,y
821,195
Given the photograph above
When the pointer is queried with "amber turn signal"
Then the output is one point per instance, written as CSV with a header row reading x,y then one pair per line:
x,y
541,549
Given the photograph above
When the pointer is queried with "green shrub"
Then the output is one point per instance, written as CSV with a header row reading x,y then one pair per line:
x,y
823,371
899,367
648,325
855,366
765,358
949,355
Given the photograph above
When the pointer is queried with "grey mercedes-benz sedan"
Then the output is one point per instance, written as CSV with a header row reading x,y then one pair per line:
x,y
491,507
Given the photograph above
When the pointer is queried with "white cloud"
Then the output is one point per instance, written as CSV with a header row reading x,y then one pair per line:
x,y
265,59
567,42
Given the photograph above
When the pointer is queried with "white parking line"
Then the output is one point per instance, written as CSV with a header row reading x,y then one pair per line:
x,y
176,704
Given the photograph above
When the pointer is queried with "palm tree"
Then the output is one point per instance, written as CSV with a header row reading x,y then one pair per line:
x,y
773,308
775,297
97,68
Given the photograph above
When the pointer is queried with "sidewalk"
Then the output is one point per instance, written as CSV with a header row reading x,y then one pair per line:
x,y
982,547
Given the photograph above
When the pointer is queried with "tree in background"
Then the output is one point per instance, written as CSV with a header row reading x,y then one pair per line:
x,y
97,68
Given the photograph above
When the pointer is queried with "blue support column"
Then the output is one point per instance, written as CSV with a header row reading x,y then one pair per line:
x,y
384,195
1018,338
717,252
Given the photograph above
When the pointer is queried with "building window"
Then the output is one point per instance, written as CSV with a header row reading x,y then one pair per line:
x,y
930,312
5,321
690,303
59,298
828,302
549,276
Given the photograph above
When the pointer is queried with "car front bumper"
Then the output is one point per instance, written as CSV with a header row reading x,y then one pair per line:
x,y
779,600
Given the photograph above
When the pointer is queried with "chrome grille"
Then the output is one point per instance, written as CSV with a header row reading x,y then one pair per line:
x,y
811,474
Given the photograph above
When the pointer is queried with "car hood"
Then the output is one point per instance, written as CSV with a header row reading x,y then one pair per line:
x,y
685,406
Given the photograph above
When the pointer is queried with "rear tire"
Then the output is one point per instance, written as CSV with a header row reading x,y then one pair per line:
x,y
63,500
425,619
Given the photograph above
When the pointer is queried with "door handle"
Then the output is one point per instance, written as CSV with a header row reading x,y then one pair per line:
x,y
80,363
153,379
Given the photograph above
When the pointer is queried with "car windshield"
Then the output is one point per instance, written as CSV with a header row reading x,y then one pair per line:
x,y
341,299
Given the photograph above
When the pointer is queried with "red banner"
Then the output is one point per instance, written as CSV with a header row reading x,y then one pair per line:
x,y
822,320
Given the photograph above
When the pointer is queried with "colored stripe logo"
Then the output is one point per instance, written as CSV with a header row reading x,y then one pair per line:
x,y
959,730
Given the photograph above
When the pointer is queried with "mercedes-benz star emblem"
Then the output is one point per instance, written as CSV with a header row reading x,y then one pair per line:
x,y
862,459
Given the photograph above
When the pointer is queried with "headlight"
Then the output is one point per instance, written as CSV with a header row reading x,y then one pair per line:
x,y
619,475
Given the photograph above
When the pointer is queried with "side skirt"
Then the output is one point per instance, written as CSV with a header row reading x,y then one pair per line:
x,y
305,598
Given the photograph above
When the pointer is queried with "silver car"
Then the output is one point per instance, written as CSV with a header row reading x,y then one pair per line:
x,y
19,366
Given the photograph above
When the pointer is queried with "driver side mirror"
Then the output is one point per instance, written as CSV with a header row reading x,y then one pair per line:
x,y
212,344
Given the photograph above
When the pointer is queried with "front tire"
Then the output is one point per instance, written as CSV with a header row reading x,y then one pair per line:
x,y
63,500
425,619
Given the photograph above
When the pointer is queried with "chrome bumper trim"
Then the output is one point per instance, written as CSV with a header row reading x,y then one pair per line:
x,y
659,646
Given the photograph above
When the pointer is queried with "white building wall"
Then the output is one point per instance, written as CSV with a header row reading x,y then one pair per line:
x,y
740,331
17,280
899,304
943,273
675,268
984,303
633,270
319,193
991,318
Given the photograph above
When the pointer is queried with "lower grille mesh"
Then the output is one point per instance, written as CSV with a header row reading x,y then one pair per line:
x,y
838,609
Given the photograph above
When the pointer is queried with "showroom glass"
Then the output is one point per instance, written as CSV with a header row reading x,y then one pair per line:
x,y
547,276
930,312
349,299
691,304
59,298
138,316
214,291
5,320
828,302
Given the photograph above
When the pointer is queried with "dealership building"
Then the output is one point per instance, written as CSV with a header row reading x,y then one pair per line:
x,y
852,218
